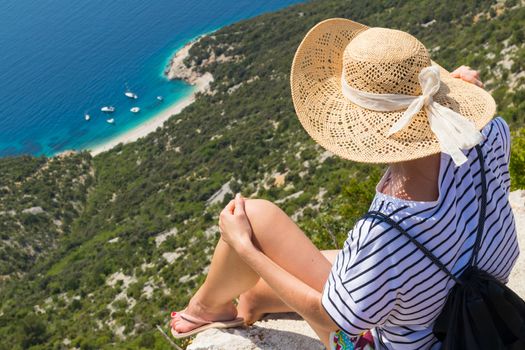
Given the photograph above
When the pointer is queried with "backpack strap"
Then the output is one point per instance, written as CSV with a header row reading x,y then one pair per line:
x,y
481,225
482,208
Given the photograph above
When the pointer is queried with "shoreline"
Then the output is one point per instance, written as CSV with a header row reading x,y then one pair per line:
x,y
175,70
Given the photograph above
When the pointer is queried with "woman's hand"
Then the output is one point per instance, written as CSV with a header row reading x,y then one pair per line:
x,y
234,225
467,74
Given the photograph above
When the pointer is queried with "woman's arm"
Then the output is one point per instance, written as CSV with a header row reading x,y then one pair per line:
x,y
302,298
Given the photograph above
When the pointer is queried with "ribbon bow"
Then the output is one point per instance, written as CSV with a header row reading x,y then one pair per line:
x,y
453,131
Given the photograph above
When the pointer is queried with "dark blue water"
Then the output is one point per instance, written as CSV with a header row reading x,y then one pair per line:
x,y
60,59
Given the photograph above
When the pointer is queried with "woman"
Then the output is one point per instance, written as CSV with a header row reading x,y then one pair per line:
x,y
371,95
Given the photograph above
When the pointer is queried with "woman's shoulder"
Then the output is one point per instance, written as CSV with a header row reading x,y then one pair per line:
x,y
500,124
497,134
371,233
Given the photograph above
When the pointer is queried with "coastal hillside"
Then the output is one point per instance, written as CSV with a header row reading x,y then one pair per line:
x,y
125,237
39,201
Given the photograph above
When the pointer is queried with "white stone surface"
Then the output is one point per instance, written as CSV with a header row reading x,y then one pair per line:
x,y
33,210
281,331
171,256
120,276
218,196
114,240
147,290
162,237
517,276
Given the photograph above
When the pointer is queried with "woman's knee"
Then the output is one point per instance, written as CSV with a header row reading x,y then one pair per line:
x,y
262,214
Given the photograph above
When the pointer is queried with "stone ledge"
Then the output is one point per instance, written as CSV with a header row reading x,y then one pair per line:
x,y
277,331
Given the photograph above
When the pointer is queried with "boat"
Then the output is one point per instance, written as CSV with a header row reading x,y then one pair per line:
x,y
160,98
110,121
108,109
135,110
87,117
131,95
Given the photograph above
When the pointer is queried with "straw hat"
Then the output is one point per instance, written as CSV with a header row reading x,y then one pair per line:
x,y
374,61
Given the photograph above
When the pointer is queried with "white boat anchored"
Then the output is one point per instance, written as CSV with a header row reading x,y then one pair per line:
x,y
135,110
110,121
131,95
87,117
160,98
108,109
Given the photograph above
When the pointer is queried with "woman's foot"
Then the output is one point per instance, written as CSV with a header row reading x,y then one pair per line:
x,y
248,307
226,312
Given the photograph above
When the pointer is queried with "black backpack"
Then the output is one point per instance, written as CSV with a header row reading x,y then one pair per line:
x,y
480,312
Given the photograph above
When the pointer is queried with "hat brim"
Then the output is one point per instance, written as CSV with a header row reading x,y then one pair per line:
x,y
356,133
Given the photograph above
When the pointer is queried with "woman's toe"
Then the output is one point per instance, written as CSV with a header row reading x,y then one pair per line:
x,y
174,321
182,326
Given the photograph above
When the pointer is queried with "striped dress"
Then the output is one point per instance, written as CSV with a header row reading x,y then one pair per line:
x,y
381,281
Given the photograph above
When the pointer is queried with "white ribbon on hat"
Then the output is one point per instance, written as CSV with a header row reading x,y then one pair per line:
x,y
453,131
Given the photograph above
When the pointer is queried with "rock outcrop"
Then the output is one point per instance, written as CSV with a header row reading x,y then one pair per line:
x,y
288,331
278,331
176,69
196,74
517,276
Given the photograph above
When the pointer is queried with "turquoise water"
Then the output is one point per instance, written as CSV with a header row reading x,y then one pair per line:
x,y
60,59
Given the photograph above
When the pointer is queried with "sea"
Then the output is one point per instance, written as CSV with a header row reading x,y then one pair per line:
x,y
62,59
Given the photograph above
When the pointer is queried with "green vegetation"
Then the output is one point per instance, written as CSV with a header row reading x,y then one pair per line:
x,y
39,200
517,164
138,230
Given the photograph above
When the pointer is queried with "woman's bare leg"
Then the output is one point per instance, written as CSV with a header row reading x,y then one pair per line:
x,y
280,239
261,299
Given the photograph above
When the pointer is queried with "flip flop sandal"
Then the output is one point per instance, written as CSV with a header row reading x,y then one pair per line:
x,y
203,325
